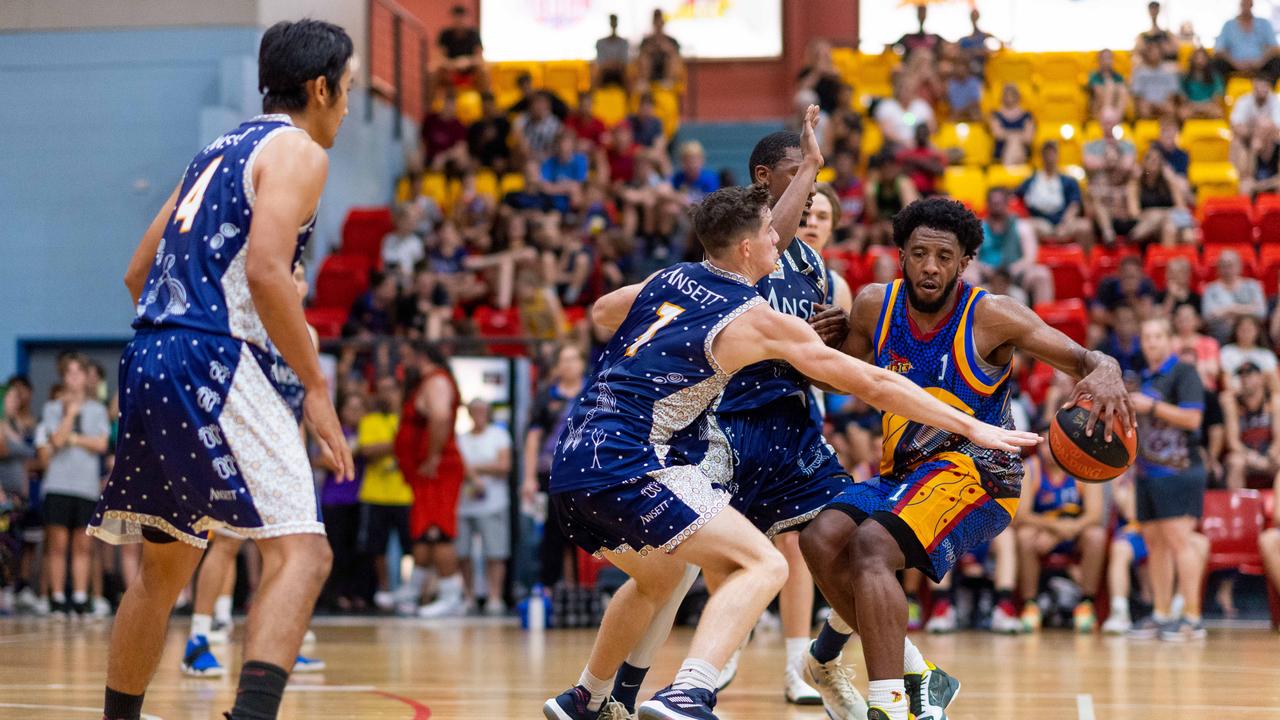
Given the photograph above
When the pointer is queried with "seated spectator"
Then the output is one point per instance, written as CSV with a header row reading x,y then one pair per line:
x,y
849,188
524,84
1258,109
473,213
1122,342
621,150
1012,128
1194,347
483,507
463,61
1202,87
1059,516
658,60
964,89
1128,554
425,312
1107,89
1178,290
1158,37
1114,207
919,40
444,137
564,173
1129,286
1260,172
922,71
583,123
842,131
1247,345
1247,46
923,163
1095,151
1000,282
646,127
1162,205
1231,297
487,138
820,78
1010,244
536,130
373,313
898,115
640,199
461,274
402,249
1155,83
1053,199
889,190
978,44
694,180
612,54
541,313
1250,411
1174,156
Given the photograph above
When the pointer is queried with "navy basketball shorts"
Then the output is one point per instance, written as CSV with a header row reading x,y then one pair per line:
x,y
1174,495
937,513
207,441
784,470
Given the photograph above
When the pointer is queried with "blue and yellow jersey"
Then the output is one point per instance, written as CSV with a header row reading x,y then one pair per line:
x,y
1058,500
945,362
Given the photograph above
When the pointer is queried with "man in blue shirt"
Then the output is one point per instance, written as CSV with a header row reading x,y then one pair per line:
x,y
1247,46
694,180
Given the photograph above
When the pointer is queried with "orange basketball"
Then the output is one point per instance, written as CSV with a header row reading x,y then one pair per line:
x,y
1086,458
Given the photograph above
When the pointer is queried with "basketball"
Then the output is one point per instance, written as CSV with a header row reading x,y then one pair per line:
x,y
1090,458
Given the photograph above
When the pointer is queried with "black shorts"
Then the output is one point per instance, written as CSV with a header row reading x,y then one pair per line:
x,y
1174,496
377,522
66,511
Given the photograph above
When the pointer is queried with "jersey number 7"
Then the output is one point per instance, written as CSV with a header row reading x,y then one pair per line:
x,y
194,198
666,314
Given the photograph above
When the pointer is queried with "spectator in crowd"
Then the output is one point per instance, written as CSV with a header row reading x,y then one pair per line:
x,y
564,173
463,61
1247,46
922,73
1128,553
1155,83
1202,87
978,44
1174,156
646,126
1250,411
373,313
402,249
1059,516
524,84
1251,113
1053,199
1010,244
1130,287
1247,346
487,136
473,213
1163,212
658,61
923,163
1012,128
1095,151
1170,483
1231,296
385,497
483,511
818,80
424,313
918,40
889,190
852,193
340,508
1123,341
583,123
1107,89
71,441
897,116
1195,348
1158,37
1114,203
694,180
1260,171
17,432
444,138
964,89
612,54
1178,291
536,130
546,422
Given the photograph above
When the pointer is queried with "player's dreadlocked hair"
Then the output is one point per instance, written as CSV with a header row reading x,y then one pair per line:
x,y
940,214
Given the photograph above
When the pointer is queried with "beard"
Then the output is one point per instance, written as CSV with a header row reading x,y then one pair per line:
x,y
929,308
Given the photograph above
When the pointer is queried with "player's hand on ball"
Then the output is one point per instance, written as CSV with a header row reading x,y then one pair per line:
x,y
998,438
320,414
831,323
1105,387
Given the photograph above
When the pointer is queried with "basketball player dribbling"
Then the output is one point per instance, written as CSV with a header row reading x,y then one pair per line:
x,y
207,435
937,495
642,470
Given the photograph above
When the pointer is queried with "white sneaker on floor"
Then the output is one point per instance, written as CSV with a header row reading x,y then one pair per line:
x,y
729,671
1117,624
942,621
1003,622
495,608
834,683
306,664
41,607
219,632
309,639
26,600
795,689
384,600
443,608
100,608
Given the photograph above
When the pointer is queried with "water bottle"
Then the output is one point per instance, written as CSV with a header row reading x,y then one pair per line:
x,y
537,608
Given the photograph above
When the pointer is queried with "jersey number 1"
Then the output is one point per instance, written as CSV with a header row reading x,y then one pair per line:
x,y
666,314
194,198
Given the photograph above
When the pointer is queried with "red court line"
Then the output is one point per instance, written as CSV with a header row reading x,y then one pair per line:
x,y
420,711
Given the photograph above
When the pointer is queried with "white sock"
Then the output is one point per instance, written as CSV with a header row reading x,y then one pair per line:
x,y
451,587
890,696
58,597
838,624
696,673
222,609
79,598
412,588
1120,605
796,648
912,660
201,625
598,688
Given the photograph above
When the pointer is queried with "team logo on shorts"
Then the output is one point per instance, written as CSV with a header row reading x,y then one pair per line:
x,y
207,399
225,466
219,372
210,436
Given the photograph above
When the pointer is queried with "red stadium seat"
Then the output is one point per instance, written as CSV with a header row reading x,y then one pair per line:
x,y
1104,261
342,279
1267,216
1226,224
363,230
1158,257
1067,263
495,323
1069,316
1232,521
327,321
1269,267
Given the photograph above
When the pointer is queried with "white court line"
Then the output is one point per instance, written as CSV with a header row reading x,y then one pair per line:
x,y
1084,706
94,711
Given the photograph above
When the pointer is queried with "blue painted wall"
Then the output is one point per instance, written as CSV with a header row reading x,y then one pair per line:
x,y
95,129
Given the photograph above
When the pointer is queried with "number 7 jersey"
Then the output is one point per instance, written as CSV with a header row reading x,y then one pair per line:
x,y
197,279
654,382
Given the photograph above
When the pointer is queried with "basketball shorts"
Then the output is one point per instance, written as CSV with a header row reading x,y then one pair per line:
x,y
434,515
1177,495
937,513
1136,543
206,441
784,471
67,511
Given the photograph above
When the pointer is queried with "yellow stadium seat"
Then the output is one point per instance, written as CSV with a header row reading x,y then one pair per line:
x,y
1093,131
1070,143
434,187
1209,148
966,184
567,78
487,183
1011,67
1007,177
666,105
1213,179
1144,133
469,106
609,104
873,70
1059,68
402,190
1185,50
1061,103
970,138
1123,62
511,182
1238,87
503,76
826,175
453,189
1193,129
872,140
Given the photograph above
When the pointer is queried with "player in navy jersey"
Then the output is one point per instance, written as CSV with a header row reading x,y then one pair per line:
x,y
642,474
208,431
938,495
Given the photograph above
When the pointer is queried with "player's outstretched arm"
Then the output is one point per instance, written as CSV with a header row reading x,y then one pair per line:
x,y
135,278
789,209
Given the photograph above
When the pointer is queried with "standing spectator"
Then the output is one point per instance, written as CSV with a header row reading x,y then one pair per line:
x,y
536,130
1107,90
979,44
385,497
1247,346
918,40
1010,244
897,116
1202,87
340,508
1247,45
1251,113
1053,199
1162,205
694,180
17,431
71,440
1155,83
1253,456
463,62
1231,296
1158,37
550,410
923,163
612,54
444,138
1012,127
483,511
658,61
1170,483
402,249
487,136
646,127
1260,172
1128,553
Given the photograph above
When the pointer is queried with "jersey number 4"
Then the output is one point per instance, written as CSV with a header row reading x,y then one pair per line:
x,y
194,198
666,314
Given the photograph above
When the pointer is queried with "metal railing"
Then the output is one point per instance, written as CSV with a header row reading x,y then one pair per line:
x,y
397,65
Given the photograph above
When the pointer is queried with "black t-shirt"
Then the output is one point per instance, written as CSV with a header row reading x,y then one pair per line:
x,y
827,88
1164,450
487,140
459,42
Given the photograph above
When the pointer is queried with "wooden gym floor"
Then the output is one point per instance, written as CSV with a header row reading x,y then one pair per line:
x,y
480,669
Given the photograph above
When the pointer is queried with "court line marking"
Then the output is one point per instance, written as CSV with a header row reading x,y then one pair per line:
x,y
1084,706
94,711
420,711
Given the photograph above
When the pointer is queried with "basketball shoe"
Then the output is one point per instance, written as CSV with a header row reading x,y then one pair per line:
x,y
942,620
1004,619
1032,618
915,614
572,705
199,661
1083,617
797,691
834,683
930,692
306,664
683,704
1182,629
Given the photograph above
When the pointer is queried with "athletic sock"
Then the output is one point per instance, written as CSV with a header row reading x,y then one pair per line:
x,y
795,650
58,597
830,642
451,587
201,625
696,673
598,688
890,696
1120,605
912,660
79,598
258,695
121,706
222,608
626,688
